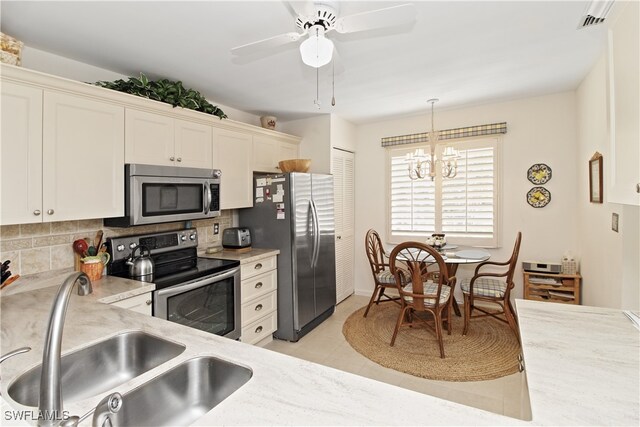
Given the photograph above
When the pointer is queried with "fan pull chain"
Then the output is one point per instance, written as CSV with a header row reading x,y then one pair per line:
x,y
317,100
333,82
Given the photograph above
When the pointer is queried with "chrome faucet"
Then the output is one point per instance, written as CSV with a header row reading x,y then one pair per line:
x,y
50,404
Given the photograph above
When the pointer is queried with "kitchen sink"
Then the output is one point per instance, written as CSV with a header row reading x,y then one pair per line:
x,y
181,395
100,367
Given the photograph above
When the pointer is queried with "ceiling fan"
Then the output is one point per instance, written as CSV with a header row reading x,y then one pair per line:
x,y
316,19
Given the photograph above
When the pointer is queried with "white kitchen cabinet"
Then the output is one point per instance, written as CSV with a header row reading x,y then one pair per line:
x,y
624,105
342,165
139,303
259,284
232,153
268,151
62,156
83,158
156,139
21,154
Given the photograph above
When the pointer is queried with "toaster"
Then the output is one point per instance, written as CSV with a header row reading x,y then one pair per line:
x,y
236,238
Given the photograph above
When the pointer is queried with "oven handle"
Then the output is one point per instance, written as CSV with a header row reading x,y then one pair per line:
x,y
178,289
207,197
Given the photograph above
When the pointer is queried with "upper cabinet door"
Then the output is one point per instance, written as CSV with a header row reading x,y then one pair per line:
x,y
83,158
624,69
21,154
193,144
149,138
233,156
265,151
268,151
287,151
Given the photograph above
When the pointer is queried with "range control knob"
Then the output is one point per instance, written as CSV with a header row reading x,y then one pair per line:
x,y
132,245
183,238
120,248
192,236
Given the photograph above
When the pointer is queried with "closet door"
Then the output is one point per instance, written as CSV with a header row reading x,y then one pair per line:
x,y
342,168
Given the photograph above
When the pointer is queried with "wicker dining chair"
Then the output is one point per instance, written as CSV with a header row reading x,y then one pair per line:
x,y
422,279
490,287
382,276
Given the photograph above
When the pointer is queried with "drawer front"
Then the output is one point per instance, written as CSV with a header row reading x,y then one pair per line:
x,y
257,286
256,309
140,304
257,267
261,329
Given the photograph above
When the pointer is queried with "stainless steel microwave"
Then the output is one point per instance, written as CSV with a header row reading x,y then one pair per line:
x,y
155,194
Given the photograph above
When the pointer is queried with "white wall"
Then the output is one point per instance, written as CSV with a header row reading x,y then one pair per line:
x,y
539,130
56,65
316,140
610,261
343,134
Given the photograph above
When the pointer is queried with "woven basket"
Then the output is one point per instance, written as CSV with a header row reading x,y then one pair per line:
x,y
295,165
10,50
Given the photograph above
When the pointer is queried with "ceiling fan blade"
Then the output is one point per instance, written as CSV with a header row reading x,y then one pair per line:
x,y
388,17
270,43
300,8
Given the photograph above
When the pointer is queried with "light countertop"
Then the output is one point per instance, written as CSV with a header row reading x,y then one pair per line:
x,y
255,254
574,356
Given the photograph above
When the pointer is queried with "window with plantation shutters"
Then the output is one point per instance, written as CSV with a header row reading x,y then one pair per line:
x,y
465,207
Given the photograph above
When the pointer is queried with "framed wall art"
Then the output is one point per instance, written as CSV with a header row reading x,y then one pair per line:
x,y
595,178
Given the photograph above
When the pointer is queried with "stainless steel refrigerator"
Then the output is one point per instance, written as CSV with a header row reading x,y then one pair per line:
x,y
293,212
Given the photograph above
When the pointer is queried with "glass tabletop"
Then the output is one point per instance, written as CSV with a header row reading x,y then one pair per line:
x,y
460,254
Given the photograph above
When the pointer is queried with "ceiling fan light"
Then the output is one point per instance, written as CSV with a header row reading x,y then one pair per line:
x,y
317,50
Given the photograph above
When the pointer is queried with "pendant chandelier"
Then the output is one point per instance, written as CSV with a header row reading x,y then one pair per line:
x,y
422,165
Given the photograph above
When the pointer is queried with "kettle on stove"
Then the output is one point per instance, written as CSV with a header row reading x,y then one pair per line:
x,y
141,267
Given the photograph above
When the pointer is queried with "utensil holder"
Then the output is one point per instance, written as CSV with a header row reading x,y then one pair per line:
x,y
93,270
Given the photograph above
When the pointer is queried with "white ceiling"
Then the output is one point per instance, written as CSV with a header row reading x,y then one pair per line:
x,y
463,52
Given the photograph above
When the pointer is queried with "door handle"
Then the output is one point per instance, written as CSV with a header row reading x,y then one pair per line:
x,y
316,226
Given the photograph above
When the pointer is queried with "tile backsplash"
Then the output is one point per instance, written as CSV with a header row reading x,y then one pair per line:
x,y
36,248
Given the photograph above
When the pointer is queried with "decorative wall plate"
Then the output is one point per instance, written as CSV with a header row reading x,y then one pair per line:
x,y
538,197
539,174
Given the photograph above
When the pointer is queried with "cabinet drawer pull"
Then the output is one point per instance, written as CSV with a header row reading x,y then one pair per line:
x,y
258,285
258,307
37,212
258,329
148,302
258,266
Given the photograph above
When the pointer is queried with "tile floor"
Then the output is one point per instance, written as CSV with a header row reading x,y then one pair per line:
x,y
327,346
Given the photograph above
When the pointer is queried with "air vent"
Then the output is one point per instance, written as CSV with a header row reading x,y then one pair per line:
x,y
595,13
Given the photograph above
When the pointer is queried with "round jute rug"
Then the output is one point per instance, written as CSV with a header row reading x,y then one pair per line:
x,y
488,351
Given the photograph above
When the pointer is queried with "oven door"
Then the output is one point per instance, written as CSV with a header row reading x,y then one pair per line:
x,y
211,304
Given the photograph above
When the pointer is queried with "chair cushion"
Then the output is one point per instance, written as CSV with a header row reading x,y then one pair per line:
x,y
386,278
485,287
430,288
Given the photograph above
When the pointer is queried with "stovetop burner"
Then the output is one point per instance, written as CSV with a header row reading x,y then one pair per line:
x,y
174,255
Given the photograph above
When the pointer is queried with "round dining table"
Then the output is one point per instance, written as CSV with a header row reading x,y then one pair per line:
x,y
468,255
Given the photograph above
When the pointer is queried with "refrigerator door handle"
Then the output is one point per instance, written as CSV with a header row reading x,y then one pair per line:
x,y
313,232
316,234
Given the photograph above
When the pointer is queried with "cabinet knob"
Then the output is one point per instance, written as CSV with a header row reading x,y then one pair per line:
x,y
179,159
258,307
339,237
50,211
37,212
258,329
172,158
638,188
258,266
258,285
148,302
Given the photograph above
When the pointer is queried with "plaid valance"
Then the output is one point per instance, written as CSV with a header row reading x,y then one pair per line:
x,y
492,129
